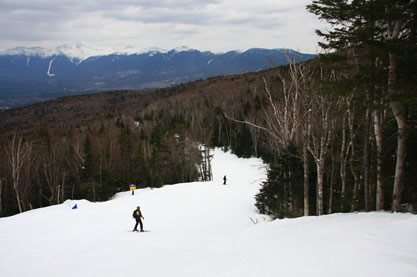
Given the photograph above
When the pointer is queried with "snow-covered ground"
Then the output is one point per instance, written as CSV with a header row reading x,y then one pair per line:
x,y
204,229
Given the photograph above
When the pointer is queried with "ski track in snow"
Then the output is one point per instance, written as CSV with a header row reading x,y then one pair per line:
x,y
49,68
204,229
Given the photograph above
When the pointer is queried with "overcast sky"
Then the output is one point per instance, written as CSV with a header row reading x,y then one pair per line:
x,y
215,25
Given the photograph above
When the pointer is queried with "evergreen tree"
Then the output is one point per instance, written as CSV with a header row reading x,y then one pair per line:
x,y
139,166
242,144
156,169
89,186
382,34
126,155
280,195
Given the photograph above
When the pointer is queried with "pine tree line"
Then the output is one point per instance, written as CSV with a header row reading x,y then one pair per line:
x,y
95,164
357,124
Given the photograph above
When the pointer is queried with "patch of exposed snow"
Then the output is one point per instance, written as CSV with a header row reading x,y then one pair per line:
x,y
49,68
76,52
131,50
183,49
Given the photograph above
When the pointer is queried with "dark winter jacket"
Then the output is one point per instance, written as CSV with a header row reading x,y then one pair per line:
x,y
137,214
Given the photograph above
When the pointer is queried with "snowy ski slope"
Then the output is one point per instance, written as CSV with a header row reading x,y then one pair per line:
x,y
204,229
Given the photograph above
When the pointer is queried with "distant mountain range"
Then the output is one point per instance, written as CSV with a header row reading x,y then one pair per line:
x,y
29,75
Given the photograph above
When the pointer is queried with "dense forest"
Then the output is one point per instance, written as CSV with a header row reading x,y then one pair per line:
x,y
338,133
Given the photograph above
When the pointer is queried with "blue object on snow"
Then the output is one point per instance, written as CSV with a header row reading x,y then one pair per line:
x,y
133,192
75,207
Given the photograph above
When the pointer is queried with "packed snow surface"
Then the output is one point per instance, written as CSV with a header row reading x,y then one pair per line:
x,y
204,229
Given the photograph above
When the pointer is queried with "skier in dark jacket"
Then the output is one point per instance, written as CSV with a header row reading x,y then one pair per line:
x,y
224,180
137,214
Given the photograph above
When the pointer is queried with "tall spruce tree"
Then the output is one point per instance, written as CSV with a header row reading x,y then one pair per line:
x,y
384,33
280,194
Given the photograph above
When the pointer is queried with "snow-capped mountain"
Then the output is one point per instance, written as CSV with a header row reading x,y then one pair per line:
x,y
34,74
131,50
28,51
73,51
78,52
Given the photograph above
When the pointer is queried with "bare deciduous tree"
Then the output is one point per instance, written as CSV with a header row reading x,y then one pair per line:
x,y
54,171
18,153
379,117
322,131
288,115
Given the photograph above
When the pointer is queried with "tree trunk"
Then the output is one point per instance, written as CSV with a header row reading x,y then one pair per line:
x,y
331,187
16,174
343,155
62,186
366,161
353,170
354,205
320,163
19,205
17,154
58,194
400,115
306,176
320,182
320,144
378,127
401,118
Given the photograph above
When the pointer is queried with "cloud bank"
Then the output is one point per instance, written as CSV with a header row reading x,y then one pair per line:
x,y
215,25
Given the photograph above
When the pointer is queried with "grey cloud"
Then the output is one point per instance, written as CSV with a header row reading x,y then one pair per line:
x,y
149,4
179,15
11,8
148,11
56,12
162,15
111,5
151,20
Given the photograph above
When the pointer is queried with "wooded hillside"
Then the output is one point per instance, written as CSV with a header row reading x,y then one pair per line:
x,y
338,132
95,145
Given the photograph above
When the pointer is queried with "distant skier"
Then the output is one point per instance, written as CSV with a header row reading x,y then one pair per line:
x,y
137,214
224,180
